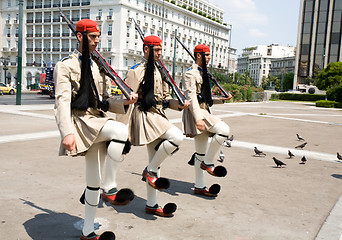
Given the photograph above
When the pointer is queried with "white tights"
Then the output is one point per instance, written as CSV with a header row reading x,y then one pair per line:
x,y
208,153
156,158
94,158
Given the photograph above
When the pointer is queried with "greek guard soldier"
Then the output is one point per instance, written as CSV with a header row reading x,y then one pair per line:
x,y
149,125
82,97
200,124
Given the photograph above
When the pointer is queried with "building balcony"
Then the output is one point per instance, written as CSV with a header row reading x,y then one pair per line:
x,y
29,21
47,34
8,22
47,49
38,35
56,19
38,20
17,35
13,63
8,34
29,7
5,49
75,19
56,5
29,64
65,49
56,34
109,17
98,17
65,34
38,49
47,20
76,3
66,4
15,21
56,49
48,5
109,33
106,49
29,49
29,35
38,6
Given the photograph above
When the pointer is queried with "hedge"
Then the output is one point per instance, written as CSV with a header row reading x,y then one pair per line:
x,y
325,103
301,96
335,93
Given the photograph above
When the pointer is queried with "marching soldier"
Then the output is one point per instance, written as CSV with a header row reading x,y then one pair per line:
x,y
200,124
149,125
82,96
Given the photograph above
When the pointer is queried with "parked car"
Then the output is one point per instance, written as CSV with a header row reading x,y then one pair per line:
x,y
7,89
115,90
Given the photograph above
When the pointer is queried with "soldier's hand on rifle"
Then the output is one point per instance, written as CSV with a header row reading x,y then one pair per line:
x,y
69,142
185,106
200,125
227,98
133,98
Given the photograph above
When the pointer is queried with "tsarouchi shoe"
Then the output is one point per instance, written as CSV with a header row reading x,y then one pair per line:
x,y
210,192
121,197
154,181
167,211
218,171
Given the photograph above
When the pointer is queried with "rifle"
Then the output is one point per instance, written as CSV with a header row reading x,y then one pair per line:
x,y
102,63
164,72
212,78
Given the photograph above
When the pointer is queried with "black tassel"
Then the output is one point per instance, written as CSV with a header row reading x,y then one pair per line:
x,y
147,86
206,90
85,97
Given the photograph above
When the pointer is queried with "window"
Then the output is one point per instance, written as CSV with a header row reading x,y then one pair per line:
x,y
100,12
109,43
111,12
109,60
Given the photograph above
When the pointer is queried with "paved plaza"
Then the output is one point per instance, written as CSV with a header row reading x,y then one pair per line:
x,y
39,191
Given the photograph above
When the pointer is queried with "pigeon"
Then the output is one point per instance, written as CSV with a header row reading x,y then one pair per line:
x,y
301,146
303,160
221,156
231,138
339,157
290,154
299,137
227,143
258,152
278,162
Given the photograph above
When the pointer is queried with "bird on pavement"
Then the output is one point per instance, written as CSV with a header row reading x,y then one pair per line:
x,y
299,137
278,162
221,156
290,154
227,143
231,138
258,152
303,160
301,146
339,157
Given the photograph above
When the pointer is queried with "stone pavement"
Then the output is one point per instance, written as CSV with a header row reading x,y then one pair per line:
x,y
39,191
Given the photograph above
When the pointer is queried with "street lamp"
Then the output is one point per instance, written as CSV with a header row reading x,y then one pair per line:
x,y
5,62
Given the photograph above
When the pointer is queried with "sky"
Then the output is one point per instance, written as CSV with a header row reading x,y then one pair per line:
x,y
261,22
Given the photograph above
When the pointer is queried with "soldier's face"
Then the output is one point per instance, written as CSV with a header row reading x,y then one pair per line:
x,y
157,50
93,40
207,58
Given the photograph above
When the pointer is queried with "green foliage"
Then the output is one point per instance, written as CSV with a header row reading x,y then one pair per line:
x,y
325,103
330,76
301,96
274,96
209,17
184,6
335,93
240,93
190,8
276,82
200,13
195,11
173,1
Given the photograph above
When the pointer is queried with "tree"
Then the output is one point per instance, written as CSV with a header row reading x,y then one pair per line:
x,y
330,76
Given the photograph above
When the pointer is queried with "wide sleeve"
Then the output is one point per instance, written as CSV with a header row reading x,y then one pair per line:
x,y
191,95
63,99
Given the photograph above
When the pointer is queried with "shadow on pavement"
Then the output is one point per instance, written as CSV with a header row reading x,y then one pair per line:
x,y
51,225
